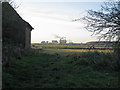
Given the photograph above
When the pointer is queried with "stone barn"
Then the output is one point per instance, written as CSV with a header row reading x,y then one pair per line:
x,y
15,30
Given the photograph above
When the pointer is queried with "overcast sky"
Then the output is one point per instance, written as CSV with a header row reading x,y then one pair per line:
x,y
55,18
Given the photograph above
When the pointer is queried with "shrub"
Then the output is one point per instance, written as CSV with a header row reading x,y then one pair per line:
x,y
99,61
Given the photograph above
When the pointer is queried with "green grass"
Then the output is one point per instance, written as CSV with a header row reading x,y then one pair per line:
x,y
72,46
84,70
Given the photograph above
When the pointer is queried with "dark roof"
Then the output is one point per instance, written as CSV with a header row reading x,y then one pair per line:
x,y
28,24
7,4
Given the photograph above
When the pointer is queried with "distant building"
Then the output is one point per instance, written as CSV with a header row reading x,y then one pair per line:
x,y
63,41
43,42
54,42
100,43
70,43
47,42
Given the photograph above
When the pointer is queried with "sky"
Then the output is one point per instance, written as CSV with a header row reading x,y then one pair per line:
x,y
54,17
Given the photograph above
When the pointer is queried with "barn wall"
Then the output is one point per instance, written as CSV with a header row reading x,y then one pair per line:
x,y
13,26
27,37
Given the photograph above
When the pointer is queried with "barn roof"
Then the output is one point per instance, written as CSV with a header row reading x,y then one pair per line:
x,y
6,4
29,25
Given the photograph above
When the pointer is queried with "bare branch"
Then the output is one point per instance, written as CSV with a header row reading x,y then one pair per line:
x,y
105,22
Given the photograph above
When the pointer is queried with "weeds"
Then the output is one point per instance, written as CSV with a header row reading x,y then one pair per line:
x,y
100,61
11,52
31,69
84,70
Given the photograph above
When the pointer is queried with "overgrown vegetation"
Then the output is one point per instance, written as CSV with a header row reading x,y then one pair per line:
x,y
83,70
12,52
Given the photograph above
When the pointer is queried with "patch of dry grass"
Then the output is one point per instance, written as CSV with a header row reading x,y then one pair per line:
x,y
74,51
83,50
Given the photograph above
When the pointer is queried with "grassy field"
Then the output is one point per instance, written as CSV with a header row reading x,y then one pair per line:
x,y
97,47
73,48
65,70
66,51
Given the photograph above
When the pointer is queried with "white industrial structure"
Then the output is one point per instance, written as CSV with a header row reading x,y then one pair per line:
x,y
62,40
54,42
44,42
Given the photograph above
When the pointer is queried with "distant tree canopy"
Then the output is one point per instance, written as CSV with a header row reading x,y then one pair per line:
x,y
106,21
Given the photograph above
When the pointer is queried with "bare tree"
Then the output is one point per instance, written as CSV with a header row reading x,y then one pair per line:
x,y
105,22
